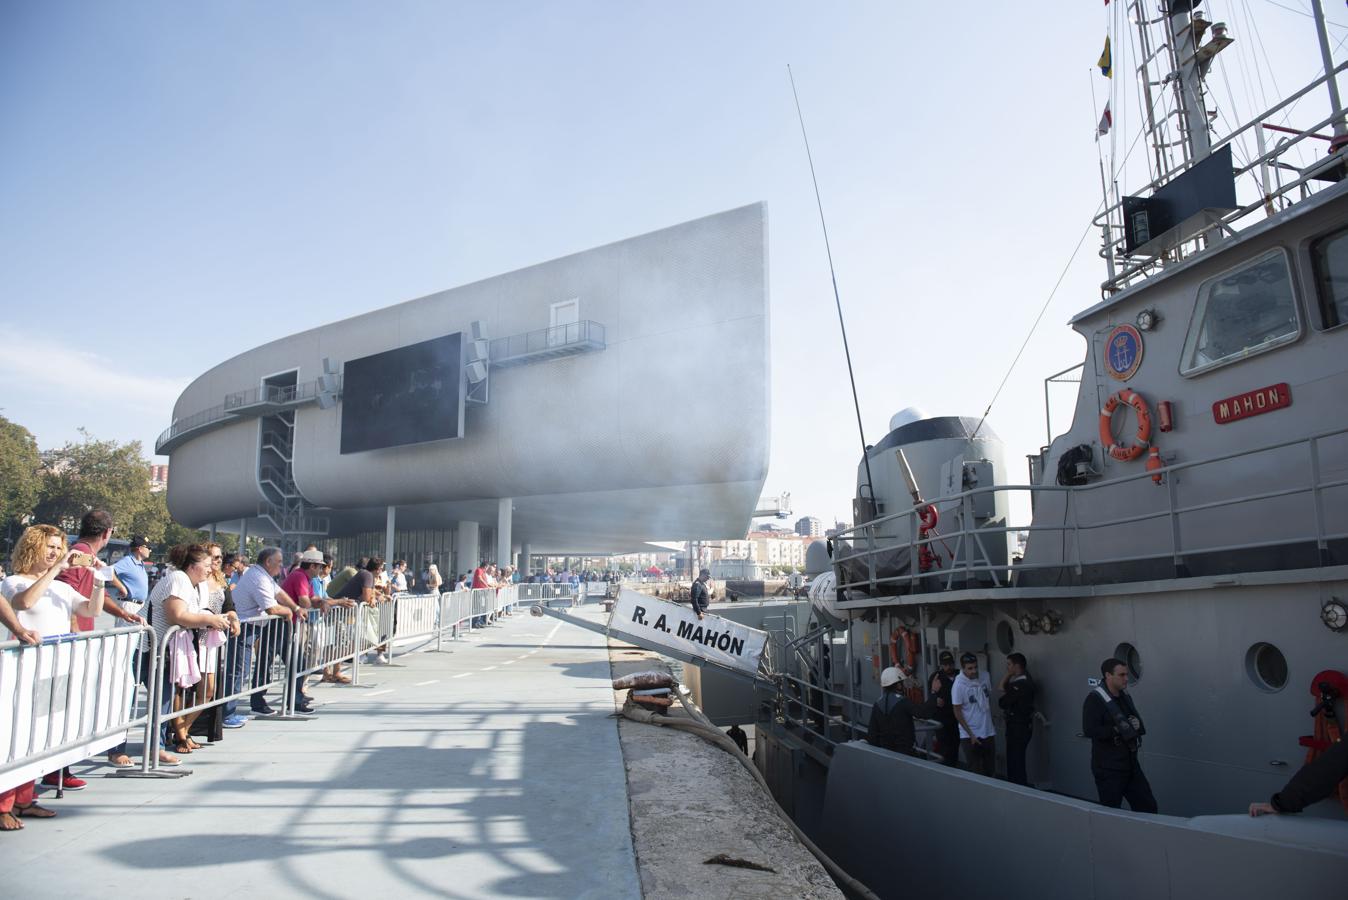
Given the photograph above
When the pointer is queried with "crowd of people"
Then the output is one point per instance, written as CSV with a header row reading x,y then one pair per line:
x,y
959,700
233,618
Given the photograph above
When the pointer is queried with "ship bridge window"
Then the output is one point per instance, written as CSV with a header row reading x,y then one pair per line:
x,y
1241,313
1329,259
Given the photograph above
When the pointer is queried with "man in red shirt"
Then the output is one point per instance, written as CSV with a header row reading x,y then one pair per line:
x,y
298,587
95,532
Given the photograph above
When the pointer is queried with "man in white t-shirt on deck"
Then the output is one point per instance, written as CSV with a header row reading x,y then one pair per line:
x,y
971,701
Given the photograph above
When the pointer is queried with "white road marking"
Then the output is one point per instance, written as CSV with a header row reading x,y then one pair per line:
x,y
424,683
377,693
507,662
463,674
489,668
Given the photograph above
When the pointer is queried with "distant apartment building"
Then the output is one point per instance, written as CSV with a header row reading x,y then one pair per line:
x,y
838,528
158,478
768,549
809,526
662,560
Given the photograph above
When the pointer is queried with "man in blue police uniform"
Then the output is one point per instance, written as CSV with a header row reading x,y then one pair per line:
x,y
131,575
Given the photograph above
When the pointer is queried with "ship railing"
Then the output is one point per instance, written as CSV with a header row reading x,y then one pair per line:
x,y
796,706
863,542
1266,162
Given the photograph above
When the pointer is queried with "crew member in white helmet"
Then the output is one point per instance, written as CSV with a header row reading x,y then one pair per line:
x,y
891,725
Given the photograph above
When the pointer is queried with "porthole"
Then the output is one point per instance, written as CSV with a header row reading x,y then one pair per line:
x,y
1128,653
1266,667
1006,637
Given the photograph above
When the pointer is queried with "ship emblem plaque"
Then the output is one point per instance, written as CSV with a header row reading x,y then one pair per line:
x,y
1123,352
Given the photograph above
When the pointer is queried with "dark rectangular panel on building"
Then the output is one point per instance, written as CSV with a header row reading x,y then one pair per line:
x,y
409,395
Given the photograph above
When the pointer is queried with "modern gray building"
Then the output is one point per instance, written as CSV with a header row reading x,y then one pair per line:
x,y
582,405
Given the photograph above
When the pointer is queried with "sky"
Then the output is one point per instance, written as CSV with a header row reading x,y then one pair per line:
x,y
180,182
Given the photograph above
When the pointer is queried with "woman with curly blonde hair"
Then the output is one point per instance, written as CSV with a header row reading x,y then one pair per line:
x,y
44,606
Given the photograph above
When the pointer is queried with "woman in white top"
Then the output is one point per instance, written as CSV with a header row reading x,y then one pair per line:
x,y
43,606
214,599
176,600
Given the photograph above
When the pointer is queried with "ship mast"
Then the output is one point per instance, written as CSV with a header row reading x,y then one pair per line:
x,y
1186,27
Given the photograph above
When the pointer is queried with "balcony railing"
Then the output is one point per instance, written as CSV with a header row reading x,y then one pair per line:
x,y
548,343
258,401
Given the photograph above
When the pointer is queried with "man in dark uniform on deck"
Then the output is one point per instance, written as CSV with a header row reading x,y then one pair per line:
x,y
1110,720
699,595
1017,703
938,688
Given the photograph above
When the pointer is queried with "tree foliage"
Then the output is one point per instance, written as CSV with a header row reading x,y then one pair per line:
x,y
20,473
59,486
94,474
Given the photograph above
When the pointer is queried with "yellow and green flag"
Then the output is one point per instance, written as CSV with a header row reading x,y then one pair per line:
x,y
1106,64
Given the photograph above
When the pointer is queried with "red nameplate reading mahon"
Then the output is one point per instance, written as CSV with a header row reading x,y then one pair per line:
x,y
1252,403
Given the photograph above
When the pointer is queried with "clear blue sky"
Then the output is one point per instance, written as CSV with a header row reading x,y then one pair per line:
x,y
182,181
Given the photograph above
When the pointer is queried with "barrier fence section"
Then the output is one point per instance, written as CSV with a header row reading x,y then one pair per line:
x,y
196,669
334,637
65,700
533,593
76,696
414,616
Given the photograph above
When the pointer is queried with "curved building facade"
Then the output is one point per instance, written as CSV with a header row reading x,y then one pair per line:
x,y
586,404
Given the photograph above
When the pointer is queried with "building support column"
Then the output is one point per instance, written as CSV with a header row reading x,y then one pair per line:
x,y
390,521
525,560
212,530
243,537
465,548
504,513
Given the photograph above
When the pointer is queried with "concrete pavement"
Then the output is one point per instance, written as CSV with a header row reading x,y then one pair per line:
x,y
490,770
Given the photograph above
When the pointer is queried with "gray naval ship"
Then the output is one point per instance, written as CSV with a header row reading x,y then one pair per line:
x,y
1192,521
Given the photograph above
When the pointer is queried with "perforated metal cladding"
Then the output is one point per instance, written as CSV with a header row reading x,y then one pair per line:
x,y
678,398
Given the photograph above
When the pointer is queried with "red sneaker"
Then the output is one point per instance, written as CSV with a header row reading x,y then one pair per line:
x,y
69,782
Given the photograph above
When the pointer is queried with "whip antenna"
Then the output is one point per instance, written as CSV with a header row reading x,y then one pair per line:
x,y
842,326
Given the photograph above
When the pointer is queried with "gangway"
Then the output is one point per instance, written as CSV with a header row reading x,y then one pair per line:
x,y
675,631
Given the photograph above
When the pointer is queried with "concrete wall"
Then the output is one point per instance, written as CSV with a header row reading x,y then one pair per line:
x,y
679,397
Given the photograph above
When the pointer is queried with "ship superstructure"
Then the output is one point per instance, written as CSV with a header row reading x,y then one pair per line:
x,y
1192,520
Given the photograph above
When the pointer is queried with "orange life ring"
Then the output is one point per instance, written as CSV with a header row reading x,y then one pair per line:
x,y
911,646
1142,440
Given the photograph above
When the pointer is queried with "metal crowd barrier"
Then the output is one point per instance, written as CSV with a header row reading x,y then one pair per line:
x,y
414,616
67,699
230,671
340,635
73,697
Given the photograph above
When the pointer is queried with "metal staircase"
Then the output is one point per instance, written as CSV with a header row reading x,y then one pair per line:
x,y
284,507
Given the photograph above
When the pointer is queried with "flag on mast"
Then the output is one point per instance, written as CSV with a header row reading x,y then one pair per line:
x,y
1106,63
1106,121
